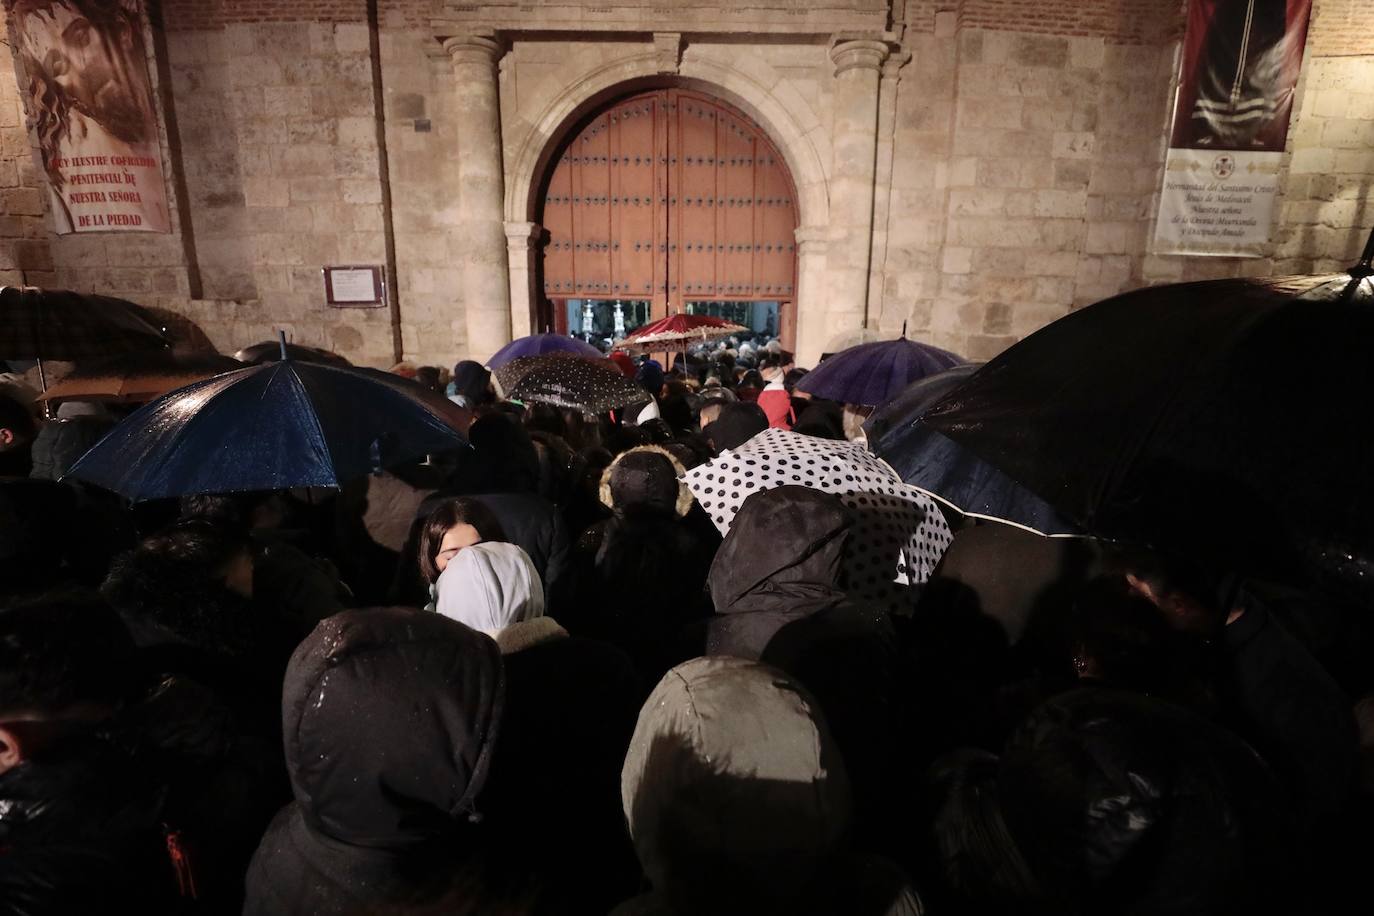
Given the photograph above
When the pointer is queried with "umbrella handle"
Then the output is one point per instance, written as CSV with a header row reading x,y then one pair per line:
x,y
281,339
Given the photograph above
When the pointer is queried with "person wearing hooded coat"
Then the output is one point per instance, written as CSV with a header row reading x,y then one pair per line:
x,y
739,803
777,590
385,780
1109,802
641,573
557,811
502,472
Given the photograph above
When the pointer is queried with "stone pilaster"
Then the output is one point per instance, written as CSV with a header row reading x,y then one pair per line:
x,y
812,244
481,189
858,65
521,239
882,187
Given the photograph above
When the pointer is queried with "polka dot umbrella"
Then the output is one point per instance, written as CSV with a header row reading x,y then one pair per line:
x,y
899,533
593,386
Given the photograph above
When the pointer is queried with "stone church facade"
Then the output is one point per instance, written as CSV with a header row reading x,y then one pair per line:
x,y
967,169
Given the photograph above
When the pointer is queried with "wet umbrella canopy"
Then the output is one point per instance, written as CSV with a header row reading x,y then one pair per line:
x,y
873,373
138,376
1228,419
539,345
274,426
935,464
679,332
269,351
592,386
63,325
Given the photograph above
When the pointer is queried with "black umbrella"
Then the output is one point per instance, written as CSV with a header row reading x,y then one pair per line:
x,y
590,385
935,464
270,427
1225,418
59,324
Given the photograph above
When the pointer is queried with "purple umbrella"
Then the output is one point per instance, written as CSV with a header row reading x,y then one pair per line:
x,y
538,345
872,374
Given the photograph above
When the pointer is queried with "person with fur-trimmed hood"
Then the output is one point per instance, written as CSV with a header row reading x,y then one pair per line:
x,y
555,811
642,572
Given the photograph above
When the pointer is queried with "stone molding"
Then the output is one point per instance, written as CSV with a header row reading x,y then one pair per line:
x,y
812,240
668,49
483,49
896,60
859,54
522,236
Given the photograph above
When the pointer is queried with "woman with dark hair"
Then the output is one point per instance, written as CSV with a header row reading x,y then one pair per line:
x,y
454,524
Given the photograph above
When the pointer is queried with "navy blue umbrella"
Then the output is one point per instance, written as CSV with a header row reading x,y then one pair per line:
x,y
935,464
539,345
874,373
269,427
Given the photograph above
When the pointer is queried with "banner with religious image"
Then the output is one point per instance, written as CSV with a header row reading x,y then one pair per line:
x,y
83,71
1236,83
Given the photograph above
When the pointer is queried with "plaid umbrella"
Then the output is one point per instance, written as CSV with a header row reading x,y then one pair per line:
x,y
678,332
139,376
60,324
591,385
899,533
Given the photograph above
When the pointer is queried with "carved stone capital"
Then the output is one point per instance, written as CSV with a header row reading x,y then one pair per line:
x,y
521,236
895,62
859,54
480,48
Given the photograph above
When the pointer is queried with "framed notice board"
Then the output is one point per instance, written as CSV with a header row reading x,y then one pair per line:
x,y
355,287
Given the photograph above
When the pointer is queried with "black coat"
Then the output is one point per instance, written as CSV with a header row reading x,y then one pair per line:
x,y
385,780
1125,804
553,798
80,833
777,591
639,580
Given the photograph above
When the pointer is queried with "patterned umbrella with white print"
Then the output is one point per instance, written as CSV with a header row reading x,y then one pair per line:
x,y
899,534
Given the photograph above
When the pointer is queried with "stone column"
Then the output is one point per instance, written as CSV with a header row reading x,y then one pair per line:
x,y
481,190
521,238
858,63
812,242
878,316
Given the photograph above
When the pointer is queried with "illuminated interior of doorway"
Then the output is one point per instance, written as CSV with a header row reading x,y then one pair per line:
x,y
601,322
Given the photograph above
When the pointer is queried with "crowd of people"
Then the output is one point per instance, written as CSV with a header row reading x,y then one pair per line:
x,y
531,677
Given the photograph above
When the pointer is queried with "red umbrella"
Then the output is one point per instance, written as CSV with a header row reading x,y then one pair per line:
x,y
678,332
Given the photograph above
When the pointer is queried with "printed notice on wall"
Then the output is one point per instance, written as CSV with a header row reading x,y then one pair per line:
x,y
1236,84
84,66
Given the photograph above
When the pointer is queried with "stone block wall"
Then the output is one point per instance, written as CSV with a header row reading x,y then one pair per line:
x,y
1020,147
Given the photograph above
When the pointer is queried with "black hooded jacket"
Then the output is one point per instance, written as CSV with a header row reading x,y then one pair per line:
x,y
776,585
390,719
80,832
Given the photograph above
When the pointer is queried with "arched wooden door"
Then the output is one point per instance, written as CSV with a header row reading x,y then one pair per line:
x,y
674,198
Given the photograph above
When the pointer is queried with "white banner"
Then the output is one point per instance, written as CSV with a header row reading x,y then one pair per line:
x,y
84,64
1236,81
1217,203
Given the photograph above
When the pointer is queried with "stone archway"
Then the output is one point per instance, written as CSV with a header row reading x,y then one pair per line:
x,y
789,123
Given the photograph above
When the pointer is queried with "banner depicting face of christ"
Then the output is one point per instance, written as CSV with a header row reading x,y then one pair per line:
x,y
90,104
